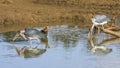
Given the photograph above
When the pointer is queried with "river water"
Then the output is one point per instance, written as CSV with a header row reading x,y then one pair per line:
x,y
69,48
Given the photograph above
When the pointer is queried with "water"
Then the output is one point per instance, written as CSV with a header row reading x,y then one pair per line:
x,y
69,48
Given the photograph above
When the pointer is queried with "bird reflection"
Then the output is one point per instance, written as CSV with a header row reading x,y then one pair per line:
x,y
111,40
98,48
33,33
28,52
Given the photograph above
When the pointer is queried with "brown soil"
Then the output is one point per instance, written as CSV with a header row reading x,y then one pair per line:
x,y
18,14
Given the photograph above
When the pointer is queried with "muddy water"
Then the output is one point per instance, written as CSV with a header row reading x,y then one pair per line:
x,y
69,48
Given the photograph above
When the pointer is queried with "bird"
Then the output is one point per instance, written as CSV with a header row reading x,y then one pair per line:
x,y
100,19
33,33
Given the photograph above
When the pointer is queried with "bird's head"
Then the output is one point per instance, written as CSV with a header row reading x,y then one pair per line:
x,y
20,33
45,30
93,20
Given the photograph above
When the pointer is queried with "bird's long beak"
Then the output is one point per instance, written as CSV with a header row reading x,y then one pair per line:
x,y
20,52
23,36
17,50
16,36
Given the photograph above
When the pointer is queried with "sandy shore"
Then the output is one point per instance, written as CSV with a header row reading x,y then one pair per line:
x,y
18,14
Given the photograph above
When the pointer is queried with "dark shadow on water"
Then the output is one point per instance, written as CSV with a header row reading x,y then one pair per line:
x,y
64,35
8,37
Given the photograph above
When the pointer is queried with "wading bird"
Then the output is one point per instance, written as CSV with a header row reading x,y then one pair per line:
x,y
33,33
100,20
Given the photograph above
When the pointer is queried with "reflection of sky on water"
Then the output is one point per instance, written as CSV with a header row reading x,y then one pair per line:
x,y
68,50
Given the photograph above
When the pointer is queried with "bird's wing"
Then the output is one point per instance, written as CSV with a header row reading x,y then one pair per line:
x,y
31,31
102,18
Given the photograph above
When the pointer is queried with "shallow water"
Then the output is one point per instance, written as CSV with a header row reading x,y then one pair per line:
x,y
69,48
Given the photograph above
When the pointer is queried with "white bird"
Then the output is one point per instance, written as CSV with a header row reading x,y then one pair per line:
x,y
100,20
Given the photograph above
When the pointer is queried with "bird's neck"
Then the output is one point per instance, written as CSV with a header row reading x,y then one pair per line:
x,y
93,20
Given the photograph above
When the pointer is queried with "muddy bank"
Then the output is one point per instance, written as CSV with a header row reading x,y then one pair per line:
x,y
30,13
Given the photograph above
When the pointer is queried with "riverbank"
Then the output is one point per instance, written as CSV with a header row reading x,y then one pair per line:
x,y
30,13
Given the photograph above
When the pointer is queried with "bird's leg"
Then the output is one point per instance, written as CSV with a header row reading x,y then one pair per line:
x,y
92,29
102,26
39,41
47,44
30,42
98,30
